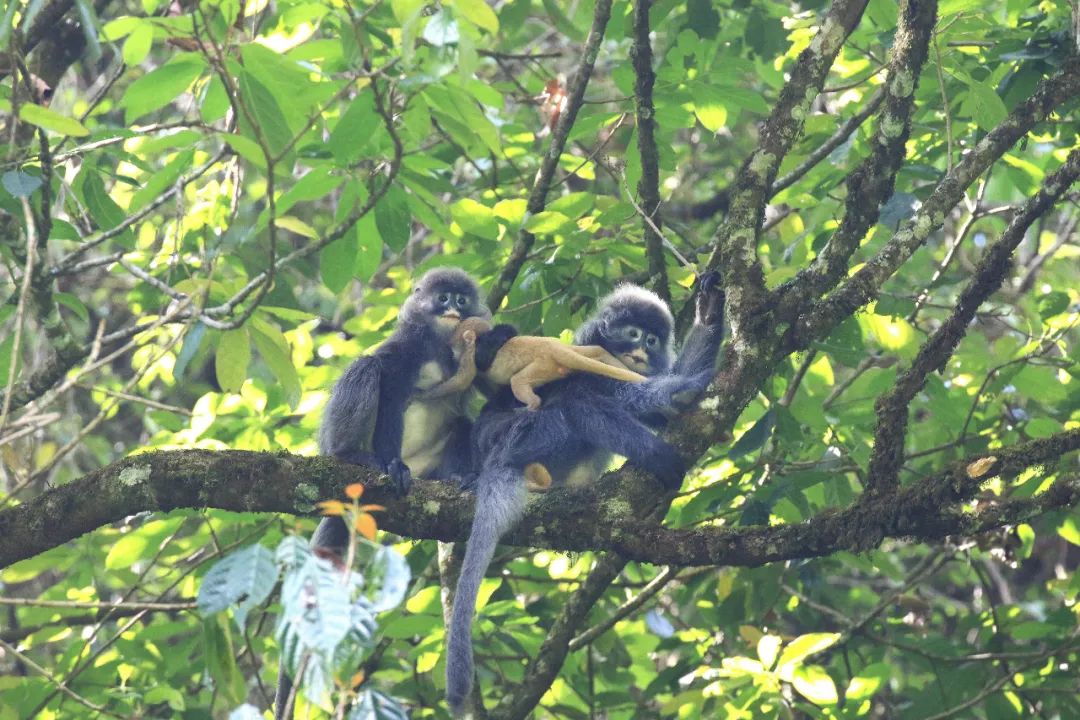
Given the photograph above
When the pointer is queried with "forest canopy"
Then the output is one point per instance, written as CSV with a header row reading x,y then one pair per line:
x,y
208,210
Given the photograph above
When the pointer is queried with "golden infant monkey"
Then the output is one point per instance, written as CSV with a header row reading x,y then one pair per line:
x,y
525,362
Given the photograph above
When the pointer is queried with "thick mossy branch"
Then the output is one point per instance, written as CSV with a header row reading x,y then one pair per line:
x,y
735,244
603,516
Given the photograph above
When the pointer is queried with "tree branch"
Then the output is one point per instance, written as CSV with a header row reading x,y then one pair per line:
x,y
538,195
602,516
735,243
892,407
863,286
648,188
871,184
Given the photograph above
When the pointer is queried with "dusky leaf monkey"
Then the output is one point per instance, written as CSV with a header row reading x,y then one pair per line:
x,y
583,420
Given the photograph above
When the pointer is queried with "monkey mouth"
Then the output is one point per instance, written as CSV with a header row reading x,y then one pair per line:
x,y
635,361
450,315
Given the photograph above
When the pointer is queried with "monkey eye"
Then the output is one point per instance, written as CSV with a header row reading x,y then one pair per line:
x,y
462,301
652,341
633,333
444,298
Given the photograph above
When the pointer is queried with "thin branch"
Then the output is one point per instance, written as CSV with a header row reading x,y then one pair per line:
x,y
648,188
538,195
892,407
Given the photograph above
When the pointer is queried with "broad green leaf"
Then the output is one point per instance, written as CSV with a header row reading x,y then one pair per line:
x,y
138,44
393,218
140,543
373,705
47,119
709,107
804,646
867,682
192,341
546,222
242,580
221,660
337,262
167,695
20,184
815,685
475,218
355,129
768,647
162,180
755,437
479,13
231,359
160,87
296,225
390,570
370,244
274,350
263,110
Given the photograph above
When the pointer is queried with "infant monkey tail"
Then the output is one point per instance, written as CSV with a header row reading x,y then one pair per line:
x,y
500,501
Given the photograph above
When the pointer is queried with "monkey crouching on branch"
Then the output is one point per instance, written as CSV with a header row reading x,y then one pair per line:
x,y
378,414
583,420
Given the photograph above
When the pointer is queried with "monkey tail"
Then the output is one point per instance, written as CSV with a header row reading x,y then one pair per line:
x,y
500,500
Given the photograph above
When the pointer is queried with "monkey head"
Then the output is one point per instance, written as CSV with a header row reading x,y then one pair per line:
x,y
634,325
442,298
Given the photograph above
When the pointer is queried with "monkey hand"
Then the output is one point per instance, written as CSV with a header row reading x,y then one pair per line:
x,y
710,299
693,386
400,474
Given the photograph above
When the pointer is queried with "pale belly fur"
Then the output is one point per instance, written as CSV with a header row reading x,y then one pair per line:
x,y
427,424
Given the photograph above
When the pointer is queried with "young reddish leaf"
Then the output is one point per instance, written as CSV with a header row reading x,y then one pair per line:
x,y
332,507
365,525
371,508
354,491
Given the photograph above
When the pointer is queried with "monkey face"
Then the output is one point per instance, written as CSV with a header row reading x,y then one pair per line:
x,y
634,325
443,298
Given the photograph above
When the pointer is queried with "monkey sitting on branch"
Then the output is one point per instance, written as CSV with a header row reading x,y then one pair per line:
x,y
523,362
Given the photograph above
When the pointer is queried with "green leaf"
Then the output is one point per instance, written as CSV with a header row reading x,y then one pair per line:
x,y
337,262
804,646
232,358
355,129
46,119
546,222
815,685
264,111
157,89
393,218
20,184
162,180
140,543
755,437
984,106
221,660
106,213
370,245
74,304
475,218
192,341
242,579
1051,304
392,572
274,350
373,705
709,107
479,13
138,44
867,682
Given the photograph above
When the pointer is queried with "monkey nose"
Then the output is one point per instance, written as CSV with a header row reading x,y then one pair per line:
x,y
638,355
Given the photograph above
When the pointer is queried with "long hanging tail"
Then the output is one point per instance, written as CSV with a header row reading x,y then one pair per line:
x,y
500,500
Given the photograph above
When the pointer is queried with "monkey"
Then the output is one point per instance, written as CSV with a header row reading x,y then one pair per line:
x,y
524,362
377,414
583,421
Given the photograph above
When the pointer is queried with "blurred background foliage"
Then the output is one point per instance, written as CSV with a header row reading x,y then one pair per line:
x,y
194,146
